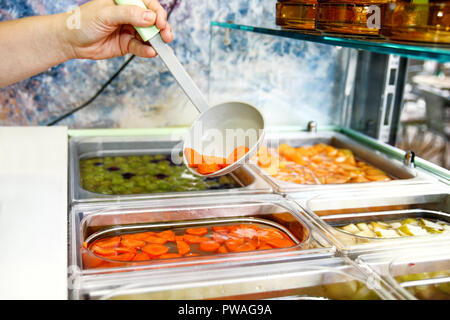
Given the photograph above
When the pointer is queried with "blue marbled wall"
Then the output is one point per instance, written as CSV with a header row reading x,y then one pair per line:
x,y
291,81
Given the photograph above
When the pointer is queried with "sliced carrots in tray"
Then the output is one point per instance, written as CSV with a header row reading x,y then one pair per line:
x,y
186,241
317,164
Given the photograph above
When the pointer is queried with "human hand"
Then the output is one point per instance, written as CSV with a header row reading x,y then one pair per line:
x,y
106,30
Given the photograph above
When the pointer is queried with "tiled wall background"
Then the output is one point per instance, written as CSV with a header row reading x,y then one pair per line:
x,y
291,81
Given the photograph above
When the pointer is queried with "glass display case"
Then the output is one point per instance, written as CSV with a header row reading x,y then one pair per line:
x,y
299,227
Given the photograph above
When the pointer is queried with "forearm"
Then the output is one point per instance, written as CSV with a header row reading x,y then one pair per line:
x,y
30,46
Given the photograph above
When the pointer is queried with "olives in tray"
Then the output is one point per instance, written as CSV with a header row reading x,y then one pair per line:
x,y
121,175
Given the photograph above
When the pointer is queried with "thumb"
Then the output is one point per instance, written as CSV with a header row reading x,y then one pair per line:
x,y
127,14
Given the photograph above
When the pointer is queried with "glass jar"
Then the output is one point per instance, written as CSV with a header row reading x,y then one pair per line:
x,y
418,21
295,14
350,17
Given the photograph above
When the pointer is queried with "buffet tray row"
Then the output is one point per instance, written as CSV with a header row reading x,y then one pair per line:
x,y
133,168
284,248
140,227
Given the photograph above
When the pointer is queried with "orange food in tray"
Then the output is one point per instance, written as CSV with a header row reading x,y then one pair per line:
x,y
211,164
318,164
195,241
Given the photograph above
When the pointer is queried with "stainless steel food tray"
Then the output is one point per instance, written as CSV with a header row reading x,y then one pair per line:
x,y
402,174
315,279
88,219
177,225
386,204
87,147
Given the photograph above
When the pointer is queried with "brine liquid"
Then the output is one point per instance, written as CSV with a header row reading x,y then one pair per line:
x,y
184,242
144,174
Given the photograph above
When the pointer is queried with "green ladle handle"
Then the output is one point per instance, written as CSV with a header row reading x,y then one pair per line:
x,y
146,33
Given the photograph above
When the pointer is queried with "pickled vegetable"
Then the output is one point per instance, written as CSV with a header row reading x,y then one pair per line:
x,y
436,291
397,228
349,290
177,243
144,174
318,164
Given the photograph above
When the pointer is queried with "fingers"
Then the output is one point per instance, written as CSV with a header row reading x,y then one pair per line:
x,y
127,14
167,34
139,17
161,19
161,14
131,42
140,49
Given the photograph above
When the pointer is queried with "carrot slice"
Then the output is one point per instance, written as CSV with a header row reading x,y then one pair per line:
x,y
132,243
120,250
233,244
103,251
208,168
167,234
191,239
178,238
221,162
280,243
183,247
264,247
197,231
257,243
192,254
123,257
248,246
155,239
155,249
222,249
141,256
137,236
90,261
267,234
219,237
193,157
170,255
108,242
244,233
209,246
238,153
221,229
264,157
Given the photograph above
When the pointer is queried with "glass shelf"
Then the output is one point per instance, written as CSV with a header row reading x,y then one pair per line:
x,y
424,52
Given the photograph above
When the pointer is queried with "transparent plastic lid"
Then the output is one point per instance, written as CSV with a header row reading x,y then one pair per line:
x,y
269,227
306,280
421,273
385,217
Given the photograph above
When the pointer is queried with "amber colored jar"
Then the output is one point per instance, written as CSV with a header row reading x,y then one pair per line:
x,y
296,14
407,21
350,17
